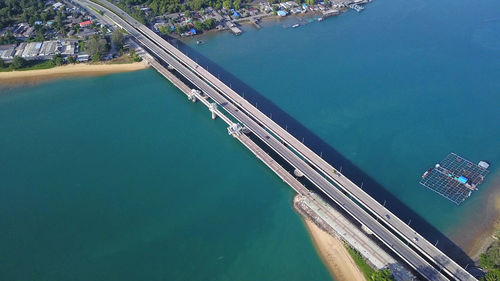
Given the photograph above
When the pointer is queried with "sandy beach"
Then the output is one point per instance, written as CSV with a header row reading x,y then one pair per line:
x,y
71,70
333,253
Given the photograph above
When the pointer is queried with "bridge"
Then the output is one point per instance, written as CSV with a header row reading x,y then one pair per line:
x,y
405,242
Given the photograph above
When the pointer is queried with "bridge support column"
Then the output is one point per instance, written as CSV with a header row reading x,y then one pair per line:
x,y
298,173
213,109
193,95
234,130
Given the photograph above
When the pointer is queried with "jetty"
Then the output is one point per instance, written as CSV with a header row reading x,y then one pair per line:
x,y
233,27
255,22
330,13
423,256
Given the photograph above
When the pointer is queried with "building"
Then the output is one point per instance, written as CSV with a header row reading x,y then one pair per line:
x,y
7,52
31,50
281,13
20,49
48,48
85,23
57,6
83,58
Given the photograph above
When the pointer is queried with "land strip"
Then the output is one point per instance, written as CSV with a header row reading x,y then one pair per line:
x,y
71,70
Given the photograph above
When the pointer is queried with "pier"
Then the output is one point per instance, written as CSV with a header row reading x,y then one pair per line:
x,y
405,242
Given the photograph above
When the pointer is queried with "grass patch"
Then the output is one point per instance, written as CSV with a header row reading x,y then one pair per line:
x,y
125,58
98,11
32,65
361,262
35,65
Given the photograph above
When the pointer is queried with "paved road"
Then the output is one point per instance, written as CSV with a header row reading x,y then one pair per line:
x,y
188,67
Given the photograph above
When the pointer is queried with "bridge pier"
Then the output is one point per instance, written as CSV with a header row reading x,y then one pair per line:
x,y
234,130
298,173
193,95
213,109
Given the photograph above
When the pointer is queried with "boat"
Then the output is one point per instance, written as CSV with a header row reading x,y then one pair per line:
x,y
427,172
199,42
295,25
320,19
356,7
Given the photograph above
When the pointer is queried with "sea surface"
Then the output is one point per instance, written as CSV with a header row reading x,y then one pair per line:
x,y
121,178
384,94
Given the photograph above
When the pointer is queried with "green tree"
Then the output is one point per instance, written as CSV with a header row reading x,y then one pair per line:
x,y
18,63
7,38
491,259
209,24
2,63
198,25
492,275
57,59
117,39
237,4
39,37
382,275
96,46
71,59
135,57
227,4
96,57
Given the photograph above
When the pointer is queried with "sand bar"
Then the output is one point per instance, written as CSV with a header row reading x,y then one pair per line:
x,y
333,253
71,70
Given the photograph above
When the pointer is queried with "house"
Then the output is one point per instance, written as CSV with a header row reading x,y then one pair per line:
x,y
57,6
83,58
85,23
281,13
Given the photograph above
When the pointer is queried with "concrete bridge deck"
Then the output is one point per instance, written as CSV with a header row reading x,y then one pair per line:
x,y
253,119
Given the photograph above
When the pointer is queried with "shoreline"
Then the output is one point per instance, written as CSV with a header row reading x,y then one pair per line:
x,y
474,236
333,254
330,249
21,77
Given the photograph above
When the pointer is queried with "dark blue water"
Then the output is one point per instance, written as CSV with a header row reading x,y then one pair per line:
x,y
385,94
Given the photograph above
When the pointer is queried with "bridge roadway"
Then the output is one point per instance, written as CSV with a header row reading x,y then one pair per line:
x,y
442,260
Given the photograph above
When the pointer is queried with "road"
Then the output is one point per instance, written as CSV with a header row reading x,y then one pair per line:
x,y
252,119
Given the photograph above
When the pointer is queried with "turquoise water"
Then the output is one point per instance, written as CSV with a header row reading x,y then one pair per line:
x,y
393,89
121,178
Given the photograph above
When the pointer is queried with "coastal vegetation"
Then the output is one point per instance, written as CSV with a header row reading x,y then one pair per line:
x,y
490,261
96,47
368,271
19,63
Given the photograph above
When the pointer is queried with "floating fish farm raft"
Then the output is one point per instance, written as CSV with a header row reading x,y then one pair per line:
x,y
455,177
